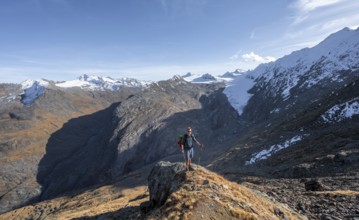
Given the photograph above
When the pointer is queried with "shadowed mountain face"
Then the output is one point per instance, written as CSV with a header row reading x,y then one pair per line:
x,y
26,130
77,154
149,125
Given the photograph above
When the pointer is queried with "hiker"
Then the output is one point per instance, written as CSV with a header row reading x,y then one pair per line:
x,y
187,147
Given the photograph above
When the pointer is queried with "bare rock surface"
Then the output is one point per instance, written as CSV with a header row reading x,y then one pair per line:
x,y
164,179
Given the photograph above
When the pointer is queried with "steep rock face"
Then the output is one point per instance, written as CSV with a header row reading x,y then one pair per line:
x,y
149,124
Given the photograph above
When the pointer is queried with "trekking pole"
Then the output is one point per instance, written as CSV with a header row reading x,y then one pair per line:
x,y
199,158
184,157
182,151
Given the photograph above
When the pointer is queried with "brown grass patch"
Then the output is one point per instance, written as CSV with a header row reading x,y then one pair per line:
x,y
338,193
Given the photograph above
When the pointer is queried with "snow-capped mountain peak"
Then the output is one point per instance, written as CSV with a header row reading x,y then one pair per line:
x,y
32,89
204,78
233,74
102,83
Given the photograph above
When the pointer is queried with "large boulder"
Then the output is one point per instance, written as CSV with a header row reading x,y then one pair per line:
x,y
164,179
315,185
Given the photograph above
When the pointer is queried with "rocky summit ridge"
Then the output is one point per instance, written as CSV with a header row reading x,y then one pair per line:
x,y
201,194
172,193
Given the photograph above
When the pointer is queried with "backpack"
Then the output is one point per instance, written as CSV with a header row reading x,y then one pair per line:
x,y
179,141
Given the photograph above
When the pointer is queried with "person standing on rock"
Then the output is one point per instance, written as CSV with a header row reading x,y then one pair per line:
x,y
187,146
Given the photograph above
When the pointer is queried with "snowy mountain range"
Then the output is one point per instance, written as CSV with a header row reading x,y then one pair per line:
x,y
102,83
32,89
312,81
209,78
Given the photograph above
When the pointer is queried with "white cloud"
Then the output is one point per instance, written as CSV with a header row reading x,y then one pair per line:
x,y
235,56
313,21
312,34
252,57
305,8
247,61
310,5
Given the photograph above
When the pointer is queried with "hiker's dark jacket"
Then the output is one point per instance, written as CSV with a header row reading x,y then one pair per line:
x,y
187,141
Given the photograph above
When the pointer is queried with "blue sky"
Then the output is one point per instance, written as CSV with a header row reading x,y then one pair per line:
x,y
156,39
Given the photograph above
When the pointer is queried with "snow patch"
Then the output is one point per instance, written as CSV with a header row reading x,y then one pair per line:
x,y
32,89
205,78
8,98
237,92
342,111
265,154
275,110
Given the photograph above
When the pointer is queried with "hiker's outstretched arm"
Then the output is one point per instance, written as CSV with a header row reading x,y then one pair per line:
x,y
197,142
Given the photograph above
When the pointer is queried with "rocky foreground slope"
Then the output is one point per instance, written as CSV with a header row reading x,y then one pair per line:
x,y
172,193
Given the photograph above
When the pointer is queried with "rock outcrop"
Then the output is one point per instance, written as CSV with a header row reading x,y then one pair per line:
x,y
164,179
201,194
